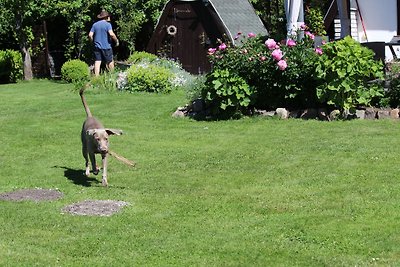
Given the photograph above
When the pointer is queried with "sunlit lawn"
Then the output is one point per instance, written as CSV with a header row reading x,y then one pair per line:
x,y
249,192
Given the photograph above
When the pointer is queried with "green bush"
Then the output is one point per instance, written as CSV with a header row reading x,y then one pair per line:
x,y
75,71
137,57
344,72
392,94
226,91
149,78
11,66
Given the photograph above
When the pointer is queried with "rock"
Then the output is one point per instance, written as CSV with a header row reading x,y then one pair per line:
x,y
282,113
360,114
394,113
323,114
310,113
295,114
334,115
178,114
383,114
370,113
264,113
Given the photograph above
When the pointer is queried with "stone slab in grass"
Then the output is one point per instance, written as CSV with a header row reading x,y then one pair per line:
x,y
95,207
36,194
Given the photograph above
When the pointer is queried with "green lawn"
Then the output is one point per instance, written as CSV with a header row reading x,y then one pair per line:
x,y
250,192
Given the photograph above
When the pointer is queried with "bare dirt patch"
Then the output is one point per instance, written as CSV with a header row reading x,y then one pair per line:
x,y
36,194
95,207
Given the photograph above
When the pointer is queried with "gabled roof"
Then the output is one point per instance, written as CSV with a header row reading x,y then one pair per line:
x,y
238,16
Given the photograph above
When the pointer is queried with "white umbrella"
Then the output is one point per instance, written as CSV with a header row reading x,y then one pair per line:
x,y
294,15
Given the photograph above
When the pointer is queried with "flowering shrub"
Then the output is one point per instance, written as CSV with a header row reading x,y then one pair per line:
x,y
278,73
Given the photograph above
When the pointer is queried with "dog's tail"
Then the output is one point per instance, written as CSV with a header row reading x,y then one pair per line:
x,y
85,105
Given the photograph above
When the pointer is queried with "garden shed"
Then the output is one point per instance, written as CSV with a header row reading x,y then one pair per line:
x,y
187,29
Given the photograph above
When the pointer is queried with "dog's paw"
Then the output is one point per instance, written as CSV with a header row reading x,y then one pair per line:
x,y
95,172
87,172
104,182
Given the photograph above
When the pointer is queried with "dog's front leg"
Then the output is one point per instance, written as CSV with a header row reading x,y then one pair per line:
x,y
95,170
104,179
86,157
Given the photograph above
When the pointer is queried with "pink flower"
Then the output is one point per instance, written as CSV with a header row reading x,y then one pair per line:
x,y
211,51
282,65
222,46
277,54
310,35
291,43
263,58
251,35
271,44
303,26
318,50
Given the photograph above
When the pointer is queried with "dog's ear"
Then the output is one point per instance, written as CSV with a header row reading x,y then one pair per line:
x,y
91,131
114,131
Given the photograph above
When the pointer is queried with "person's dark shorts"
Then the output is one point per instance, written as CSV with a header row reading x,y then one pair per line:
x,y
105,55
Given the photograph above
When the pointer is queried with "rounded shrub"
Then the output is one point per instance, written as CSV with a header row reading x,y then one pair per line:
x,y
75,71
11,66
137,57
150,78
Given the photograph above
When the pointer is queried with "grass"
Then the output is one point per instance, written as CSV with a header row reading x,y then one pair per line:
x,y
250,192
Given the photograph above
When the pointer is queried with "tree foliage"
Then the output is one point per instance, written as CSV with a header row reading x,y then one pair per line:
x,y
19,17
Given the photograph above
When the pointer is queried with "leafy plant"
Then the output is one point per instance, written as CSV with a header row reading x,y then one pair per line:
x,y
227,91
10,66
344,72
315,21
391,97
75,71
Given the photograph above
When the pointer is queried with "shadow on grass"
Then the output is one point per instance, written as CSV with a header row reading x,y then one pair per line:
x,y
78,177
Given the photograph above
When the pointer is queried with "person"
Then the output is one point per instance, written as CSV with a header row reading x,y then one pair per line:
x,y
101,35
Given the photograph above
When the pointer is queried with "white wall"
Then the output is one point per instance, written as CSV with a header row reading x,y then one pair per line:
x,y
380,21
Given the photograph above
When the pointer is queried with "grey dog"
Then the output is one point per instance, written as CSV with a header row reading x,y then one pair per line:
x,y
95,140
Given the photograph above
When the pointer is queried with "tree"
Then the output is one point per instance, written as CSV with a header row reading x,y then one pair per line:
x,y
129,17
19,17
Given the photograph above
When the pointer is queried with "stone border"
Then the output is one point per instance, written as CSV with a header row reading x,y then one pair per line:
x,y
197,108
324,114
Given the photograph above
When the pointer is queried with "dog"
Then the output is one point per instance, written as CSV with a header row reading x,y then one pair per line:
x,y
95,140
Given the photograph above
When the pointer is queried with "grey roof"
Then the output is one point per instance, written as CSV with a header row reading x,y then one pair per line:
x,y
238,16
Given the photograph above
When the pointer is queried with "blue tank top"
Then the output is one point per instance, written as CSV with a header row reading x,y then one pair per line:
x,y
101,37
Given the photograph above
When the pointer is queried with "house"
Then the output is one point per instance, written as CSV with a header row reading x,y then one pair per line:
x,y
372,23
187,29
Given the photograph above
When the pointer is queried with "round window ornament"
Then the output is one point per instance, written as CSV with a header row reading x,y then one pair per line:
x,y
172,30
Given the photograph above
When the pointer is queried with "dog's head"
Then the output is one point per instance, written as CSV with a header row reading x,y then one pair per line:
x,y
100,138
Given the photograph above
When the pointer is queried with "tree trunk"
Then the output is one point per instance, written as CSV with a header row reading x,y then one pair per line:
x,y
28,74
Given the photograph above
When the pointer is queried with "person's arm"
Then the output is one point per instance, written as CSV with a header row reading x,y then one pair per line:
x,y
114,37
91,35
